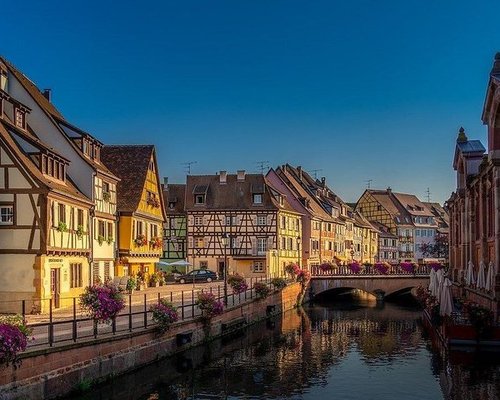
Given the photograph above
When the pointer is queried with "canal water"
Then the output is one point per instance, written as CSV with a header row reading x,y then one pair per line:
x,y
333,350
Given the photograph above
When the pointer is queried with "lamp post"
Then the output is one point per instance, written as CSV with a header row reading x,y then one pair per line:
x,y
225,240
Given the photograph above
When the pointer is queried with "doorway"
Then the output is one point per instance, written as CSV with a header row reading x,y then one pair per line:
x,y
221,268
55,286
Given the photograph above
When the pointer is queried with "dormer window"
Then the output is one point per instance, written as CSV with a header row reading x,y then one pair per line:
x,y
53,167
199,199
257,198
20,118
85,147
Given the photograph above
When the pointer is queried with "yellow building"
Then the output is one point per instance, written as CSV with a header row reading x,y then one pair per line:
x,y
44,219
141,211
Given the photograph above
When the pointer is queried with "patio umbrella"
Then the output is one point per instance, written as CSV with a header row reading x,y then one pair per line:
x,y
440,281
446,303
469,275
180,263
490,277
433,282
481,280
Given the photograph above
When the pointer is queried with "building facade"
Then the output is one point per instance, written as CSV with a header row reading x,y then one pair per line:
x,y
44,219
141,211
175,227
242,220
86,170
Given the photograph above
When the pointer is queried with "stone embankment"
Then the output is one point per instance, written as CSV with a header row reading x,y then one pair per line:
x,y
54,372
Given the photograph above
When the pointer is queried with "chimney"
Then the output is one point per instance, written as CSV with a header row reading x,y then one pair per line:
x,y
165,181
223,177
241,175
389,189
47,93
323,181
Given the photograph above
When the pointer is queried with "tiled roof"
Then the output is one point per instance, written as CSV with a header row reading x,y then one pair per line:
x,y
129,163
471,146
10,135
234,194
291,178
174,193
413,205
53,112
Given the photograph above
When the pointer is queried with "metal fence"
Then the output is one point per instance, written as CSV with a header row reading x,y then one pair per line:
x,y
72,324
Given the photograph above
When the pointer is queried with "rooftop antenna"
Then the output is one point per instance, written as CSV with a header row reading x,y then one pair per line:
x,y
428,195
187,166
315,172
369,183
262,166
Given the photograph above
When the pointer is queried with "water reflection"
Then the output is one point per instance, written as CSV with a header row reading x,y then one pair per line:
x,y
324,351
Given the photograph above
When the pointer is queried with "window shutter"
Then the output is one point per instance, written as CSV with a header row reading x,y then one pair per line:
x,y
55,214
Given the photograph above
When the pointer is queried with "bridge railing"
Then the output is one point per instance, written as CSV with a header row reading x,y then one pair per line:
x,y
369,270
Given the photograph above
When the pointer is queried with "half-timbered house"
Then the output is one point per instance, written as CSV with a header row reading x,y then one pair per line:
x,y
86,170
141,211
174,238
44,219
318,233
241,218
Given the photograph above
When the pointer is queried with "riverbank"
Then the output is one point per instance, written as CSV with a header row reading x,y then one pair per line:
x,y
54,372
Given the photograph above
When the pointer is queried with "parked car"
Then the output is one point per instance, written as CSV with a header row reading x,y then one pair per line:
x,y
197,275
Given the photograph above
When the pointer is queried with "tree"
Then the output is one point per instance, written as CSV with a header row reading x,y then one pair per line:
x,y
438,248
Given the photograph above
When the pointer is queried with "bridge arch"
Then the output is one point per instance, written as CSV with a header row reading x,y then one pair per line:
x,y
379,286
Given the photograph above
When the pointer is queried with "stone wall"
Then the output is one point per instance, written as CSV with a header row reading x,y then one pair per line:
x,y
53,372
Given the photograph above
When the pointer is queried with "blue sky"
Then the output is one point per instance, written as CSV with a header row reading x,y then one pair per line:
x,y
361,89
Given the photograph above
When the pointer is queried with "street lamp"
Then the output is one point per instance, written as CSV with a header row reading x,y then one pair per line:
x,y
225,241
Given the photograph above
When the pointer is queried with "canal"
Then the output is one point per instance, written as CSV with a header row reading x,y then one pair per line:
x,y
336,349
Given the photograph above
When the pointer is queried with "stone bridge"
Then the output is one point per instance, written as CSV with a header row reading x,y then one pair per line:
x,y
369,280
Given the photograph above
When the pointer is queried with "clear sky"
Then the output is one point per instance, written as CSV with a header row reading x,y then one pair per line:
x,y
362,89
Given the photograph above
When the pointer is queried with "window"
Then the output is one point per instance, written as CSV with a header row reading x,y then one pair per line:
x,y
105,188
230,220
261,220
107,271
199,199
232,243
20,118
75,275
151,166
258,266
199,243
198,221
257,198
101,229
62,213
139,226
7,215
110,230
417,232
261,245
153,230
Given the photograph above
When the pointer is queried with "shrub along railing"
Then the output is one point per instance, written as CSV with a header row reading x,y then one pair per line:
x,y
71,324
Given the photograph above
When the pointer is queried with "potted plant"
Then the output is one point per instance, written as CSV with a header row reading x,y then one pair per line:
x,y
13,339
102,302
262,290
326,267
291,269
141,240
408,267
237,283
278,283
209,306
100,240
131,285
109,240
79,231
156,243
382,268
164,314
153,281
62,227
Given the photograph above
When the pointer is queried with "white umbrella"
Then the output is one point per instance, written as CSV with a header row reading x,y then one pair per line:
x,y
481,280
469,275
180,263
433,283
490,277
446,303
440,281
